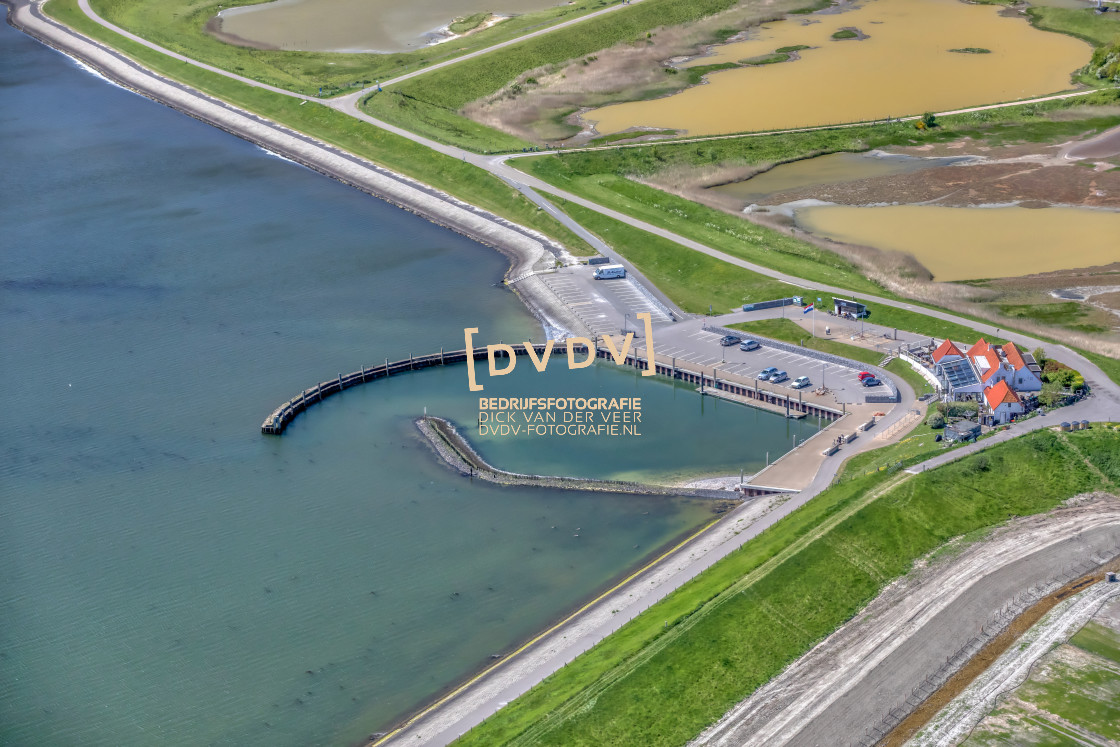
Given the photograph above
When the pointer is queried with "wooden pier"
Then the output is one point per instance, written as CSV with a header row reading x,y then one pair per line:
x,y
739,387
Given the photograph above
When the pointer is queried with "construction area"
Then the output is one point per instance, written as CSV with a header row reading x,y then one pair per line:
x,y
860,683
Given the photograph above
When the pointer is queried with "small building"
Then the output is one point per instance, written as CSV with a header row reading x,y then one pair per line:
x,y
1003,403
848,308
947,351
962,431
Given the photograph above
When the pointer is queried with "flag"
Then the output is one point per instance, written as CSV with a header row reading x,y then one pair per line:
x,y
807,309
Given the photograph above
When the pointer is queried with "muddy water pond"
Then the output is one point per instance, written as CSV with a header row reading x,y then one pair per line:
x,y
356,25
971,243
835,168
904,66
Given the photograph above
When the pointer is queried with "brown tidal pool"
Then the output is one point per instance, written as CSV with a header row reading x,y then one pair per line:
x,y
972,243
904,66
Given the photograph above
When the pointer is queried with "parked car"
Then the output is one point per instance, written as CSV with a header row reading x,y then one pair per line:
x,y
865,375
729,340
749,345
871,381
800,382
778,376
766,373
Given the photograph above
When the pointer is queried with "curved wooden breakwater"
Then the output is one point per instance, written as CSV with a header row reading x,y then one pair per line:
x,y
275,423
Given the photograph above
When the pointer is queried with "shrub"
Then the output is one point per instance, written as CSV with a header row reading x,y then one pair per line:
x,y
936,420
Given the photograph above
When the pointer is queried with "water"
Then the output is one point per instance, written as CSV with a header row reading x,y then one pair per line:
x,y
356,25
170,576
904,67
835,168
969,243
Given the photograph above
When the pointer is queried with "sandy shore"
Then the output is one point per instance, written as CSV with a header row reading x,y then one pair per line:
x,y
527,250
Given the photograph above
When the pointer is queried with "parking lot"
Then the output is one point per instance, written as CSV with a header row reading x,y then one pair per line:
x,y
690,342
604,306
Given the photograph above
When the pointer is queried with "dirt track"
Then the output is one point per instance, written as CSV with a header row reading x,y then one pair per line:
x,y
848,685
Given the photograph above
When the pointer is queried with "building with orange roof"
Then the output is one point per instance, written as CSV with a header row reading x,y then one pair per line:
x,y
967,375
1003,403
947,350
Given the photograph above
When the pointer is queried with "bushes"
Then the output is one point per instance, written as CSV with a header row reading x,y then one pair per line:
x,y
1062,375
1105,64
936,420
958,409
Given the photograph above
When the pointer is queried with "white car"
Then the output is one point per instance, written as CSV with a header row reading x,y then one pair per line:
x,y
800,382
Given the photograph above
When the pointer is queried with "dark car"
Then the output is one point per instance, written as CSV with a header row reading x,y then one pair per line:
x,y
729,340
871,381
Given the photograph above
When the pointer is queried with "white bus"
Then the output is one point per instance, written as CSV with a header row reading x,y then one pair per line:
x,y
610,271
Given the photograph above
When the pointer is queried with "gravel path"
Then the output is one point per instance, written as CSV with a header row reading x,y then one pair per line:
x,y
871,665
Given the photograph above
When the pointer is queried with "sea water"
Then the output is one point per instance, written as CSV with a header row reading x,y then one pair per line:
x,y
170,576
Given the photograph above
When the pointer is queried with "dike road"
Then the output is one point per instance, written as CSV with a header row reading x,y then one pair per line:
x,y
473,701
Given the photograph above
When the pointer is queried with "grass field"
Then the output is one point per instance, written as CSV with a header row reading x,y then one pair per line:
x,y
787,331
1098,30
679,666
1097,639
1072,697
1069,314
178,25
455,177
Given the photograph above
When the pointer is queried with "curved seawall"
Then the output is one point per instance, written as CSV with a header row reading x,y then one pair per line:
x,y
275,423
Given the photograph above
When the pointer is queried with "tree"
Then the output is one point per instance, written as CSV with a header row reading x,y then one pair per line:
x,y
936,420
1040,356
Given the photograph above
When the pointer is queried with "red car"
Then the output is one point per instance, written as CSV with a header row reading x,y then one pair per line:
x,y
864,375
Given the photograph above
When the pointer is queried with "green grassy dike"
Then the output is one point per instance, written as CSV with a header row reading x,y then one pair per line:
x,y
679,666
462,180
179,25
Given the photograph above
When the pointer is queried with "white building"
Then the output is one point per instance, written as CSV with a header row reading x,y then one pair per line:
x,y
1003,403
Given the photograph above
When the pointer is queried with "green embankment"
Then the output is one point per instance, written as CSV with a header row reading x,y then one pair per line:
x,y
179,25
468,183
787,331
692,280
456,86
679,666
578,173
904,371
